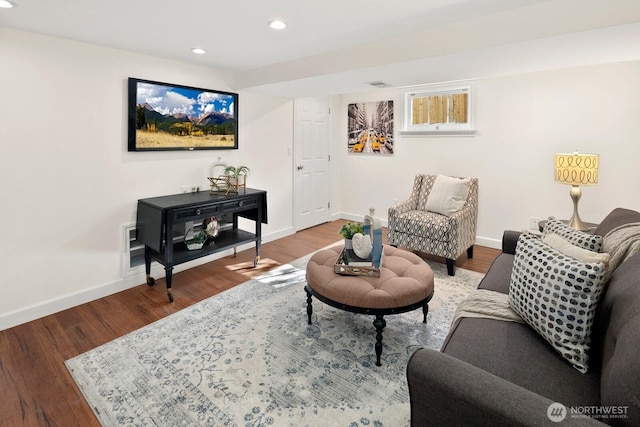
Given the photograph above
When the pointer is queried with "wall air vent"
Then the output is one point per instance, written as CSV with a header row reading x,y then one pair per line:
x,y
378,84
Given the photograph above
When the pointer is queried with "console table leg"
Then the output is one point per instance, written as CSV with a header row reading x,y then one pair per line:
x,y
379,324
309,305
147,267
169,274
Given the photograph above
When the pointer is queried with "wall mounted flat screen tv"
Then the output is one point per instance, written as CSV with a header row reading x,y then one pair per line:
x,y
164,116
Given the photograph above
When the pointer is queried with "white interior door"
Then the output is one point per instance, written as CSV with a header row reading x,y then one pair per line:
x,y
311,167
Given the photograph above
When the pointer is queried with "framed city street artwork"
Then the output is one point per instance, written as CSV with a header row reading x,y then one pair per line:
x,y
370,128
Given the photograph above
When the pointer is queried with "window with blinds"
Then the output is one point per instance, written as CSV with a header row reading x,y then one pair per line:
x,y
439,109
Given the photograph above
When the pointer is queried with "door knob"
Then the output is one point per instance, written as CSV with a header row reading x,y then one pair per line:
x,y
300,167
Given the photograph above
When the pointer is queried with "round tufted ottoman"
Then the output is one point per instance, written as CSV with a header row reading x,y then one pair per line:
x,y
405,284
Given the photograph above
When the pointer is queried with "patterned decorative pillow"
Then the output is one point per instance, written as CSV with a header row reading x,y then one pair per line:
x,y
578,238
557,296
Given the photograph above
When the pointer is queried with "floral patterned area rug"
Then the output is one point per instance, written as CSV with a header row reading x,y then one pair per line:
x,y
247,357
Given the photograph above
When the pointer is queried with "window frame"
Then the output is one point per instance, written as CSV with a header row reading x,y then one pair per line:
x,y
426,91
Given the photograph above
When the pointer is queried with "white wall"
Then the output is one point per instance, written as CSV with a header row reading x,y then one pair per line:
x,y
522,121
68,184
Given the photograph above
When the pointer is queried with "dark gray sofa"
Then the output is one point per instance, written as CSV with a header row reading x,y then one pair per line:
x,y
494,373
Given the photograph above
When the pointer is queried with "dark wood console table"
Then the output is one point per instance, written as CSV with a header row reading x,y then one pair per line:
x,y
157,216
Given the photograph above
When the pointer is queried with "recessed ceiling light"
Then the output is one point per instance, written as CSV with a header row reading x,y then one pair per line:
x,y
198,50
277,25
6,4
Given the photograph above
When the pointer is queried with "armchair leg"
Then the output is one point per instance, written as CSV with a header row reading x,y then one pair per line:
x,y
470,252
451,267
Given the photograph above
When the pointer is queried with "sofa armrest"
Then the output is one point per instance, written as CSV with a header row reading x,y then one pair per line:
x,y
445,391
509,241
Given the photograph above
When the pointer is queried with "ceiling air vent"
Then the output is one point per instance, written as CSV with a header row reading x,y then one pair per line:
x,y
378,84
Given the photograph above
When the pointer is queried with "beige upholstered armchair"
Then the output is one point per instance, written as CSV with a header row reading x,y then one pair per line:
x,y
440,218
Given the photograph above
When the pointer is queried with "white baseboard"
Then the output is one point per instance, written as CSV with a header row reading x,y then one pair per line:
x,y
488,242
36,311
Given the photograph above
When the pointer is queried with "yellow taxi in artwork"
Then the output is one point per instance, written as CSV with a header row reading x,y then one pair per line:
x,y
358,147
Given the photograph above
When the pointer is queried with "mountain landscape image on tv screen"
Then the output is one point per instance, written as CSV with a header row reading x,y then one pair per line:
x,y
163,116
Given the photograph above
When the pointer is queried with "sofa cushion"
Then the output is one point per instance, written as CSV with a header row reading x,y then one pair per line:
x,y
448,195
516,353
557,296
591,242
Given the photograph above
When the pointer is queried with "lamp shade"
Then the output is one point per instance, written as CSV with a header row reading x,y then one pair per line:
x,y
577,168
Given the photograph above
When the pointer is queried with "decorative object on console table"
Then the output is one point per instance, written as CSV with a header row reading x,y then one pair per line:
x,y
220,184
194,239
218,168
211,227
230,181
238,176
576,169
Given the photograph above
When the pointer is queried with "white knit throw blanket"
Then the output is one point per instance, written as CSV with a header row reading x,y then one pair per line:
x,y
621,243
487,304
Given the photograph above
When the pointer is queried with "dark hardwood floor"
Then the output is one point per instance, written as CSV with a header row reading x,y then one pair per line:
x,y
37,390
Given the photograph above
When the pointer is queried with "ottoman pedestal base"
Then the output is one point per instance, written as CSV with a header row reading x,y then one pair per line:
x,y
379,323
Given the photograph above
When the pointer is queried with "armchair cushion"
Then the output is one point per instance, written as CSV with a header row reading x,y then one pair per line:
x,y
421,223
448,195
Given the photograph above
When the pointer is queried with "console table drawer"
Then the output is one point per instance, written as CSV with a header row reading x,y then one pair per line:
x,y
196,212
239,205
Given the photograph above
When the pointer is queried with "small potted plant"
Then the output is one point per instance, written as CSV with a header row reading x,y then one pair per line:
x,y
348,230
234,173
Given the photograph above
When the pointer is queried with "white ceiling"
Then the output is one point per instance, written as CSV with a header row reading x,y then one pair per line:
x,y
337,46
